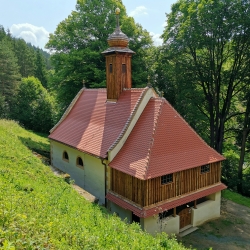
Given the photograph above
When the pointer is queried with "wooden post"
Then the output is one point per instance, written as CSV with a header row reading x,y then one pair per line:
x,y
174,211
195,203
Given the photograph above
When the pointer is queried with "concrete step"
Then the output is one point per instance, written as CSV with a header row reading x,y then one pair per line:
x,y
185,228
188,231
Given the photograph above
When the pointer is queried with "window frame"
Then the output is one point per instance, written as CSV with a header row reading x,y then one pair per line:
x,y
166,179
110,68
124,68
65,153
205,169
77,162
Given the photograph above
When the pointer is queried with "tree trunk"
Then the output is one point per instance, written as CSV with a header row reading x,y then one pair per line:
x,y
245,133
241,161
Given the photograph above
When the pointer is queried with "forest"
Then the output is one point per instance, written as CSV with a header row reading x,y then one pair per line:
x,y
202,68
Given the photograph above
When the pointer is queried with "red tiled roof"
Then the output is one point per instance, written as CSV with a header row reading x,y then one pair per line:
x,y
163,206
161,143
93,125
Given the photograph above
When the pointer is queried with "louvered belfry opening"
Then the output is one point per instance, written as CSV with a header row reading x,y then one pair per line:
x,y
118,63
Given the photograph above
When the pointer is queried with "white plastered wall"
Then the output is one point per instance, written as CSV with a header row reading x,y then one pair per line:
x,y
207,210
154,225
90,178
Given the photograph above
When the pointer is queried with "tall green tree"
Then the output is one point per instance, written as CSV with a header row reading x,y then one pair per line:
x,y
79,40
40,69
2,32
244,135
208,44
9,72
26,57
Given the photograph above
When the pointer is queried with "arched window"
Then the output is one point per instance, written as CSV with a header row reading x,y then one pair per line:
x,y
65,156
79,162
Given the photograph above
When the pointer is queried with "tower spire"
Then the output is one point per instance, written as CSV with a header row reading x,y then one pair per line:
x,y
118,62
117,12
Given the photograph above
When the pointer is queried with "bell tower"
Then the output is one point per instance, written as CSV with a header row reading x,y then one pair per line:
x,y
118,62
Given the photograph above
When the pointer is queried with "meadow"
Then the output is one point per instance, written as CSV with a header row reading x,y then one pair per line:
x,y
39,210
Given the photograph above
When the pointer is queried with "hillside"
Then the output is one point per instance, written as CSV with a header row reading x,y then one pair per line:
x,y
41,211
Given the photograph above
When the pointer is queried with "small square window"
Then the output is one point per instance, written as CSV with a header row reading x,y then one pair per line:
x,y
110,68
205,169
166,179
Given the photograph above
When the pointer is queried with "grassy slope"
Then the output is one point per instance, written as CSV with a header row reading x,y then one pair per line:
x,y
235,197
41,211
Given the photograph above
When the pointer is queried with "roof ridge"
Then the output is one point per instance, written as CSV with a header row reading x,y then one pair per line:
x,y
68,109
129,119
153,134
103,89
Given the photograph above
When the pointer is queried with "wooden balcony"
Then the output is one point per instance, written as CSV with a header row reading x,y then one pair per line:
x,y
151,191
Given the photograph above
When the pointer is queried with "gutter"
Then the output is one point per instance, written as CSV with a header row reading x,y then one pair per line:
x,y
105,178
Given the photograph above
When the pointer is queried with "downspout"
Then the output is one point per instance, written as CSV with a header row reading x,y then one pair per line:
x,y
105,178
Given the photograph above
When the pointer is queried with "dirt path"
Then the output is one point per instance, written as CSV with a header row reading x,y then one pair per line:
x,y
230,232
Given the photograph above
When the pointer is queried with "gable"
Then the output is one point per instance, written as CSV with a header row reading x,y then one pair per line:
x,y
161,143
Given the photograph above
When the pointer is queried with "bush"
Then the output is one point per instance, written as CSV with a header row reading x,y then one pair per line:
x,y
229,174
33,105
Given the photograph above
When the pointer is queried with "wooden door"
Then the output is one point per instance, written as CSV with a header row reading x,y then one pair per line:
x,y
185,217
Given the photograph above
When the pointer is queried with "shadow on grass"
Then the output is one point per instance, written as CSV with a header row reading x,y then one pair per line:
x,y
38,147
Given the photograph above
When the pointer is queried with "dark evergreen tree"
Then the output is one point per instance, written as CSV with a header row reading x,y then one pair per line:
x,y
26,57
40,70
9,72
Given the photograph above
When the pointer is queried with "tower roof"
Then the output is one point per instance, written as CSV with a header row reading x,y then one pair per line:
x,y
118,38
118,41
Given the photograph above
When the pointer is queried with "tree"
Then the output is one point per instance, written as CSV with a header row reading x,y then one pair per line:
x,y
79,40
2,33
26,57
9,72
40,70
33,105
208,42
245,131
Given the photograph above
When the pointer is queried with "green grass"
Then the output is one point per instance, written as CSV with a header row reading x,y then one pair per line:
x,y
235,197
39,210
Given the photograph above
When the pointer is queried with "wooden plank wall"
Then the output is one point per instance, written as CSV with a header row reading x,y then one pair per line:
x,y
110,78
151,191
117,80
128,186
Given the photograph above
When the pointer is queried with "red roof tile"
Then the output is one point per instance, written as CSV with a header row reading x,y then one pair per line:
x,y
163,206
93,125
162,142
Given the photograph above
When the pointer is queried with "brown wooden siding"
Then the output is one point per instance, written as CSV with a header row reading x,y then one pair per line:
x,y
152,191
117,80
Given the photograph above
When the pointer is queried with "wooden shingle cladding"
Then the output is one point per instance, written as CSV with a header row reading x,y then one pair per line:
x,y
151,191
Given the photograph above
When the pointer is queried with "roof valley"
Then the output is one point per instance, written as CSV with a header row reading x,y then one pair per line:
x,y
129,119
